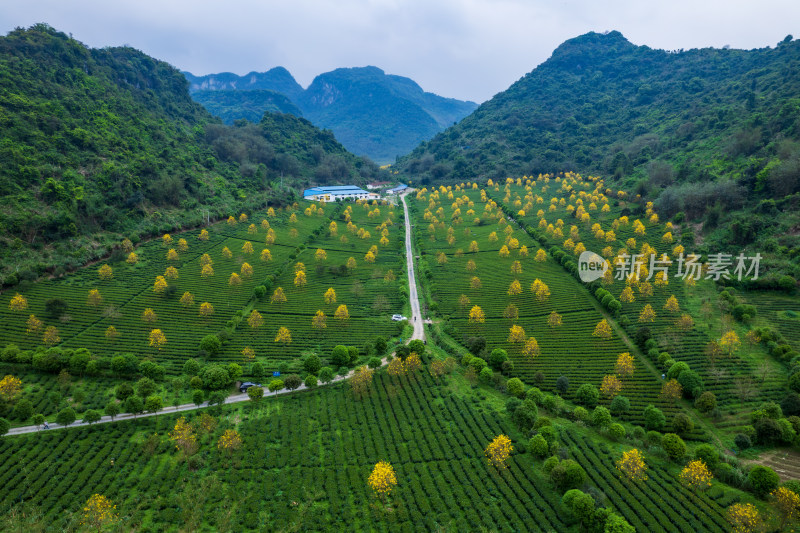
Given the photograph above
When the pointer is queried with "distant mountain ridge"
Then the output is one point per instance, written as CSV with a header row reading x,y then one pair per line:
x,y
370,113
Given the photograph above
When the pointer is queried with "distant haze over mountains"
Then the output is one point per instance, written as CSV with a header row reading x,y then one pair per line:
x,y
370,113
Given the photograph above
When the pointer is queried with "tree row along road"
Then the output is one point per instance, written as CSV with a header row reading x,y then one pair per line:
x,y
416,321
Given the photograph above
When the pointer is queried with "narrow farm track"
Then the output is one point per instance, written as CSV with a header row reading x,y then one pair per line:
x,y
416,314
419,333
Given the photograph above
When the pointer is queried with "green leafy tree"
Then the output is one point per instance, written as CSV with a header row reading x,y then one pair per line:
x,y
66,416
255,394
112,409
23,409
37,420
587,394
145,387
275,385
311,381
211,345
654,418
567,475
538,446
153,404
762,480
5,425
340,356
497,358
619,405
134,405
325,374
191,367
198,397
601,417
292,381
674,446
91,416
515,387
312,363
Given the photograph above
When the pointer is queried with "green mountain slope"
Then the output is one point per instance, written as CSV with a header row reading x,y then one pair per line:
x,y
704,132
378,115
101,144
371,113
230,105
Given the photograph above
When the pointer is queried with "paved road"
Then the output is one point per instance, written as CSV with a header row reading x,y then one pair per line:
x,y
416,314
419,333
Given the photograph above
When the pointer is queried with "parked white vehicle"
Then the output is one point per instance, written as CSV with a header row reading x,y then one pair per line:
x,y
398,318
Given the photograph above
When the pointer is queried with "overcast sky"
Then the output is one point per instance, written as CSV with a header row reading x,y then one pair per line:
x,y
467,49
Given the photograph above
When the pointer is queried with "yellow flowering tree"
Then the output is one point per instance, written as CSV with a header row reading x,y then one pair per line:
x,y
516,334
743,518
157,339
33,324
105,272
187,300
788,503
299,278
255,320
631,466
111,333
730,343
319,321
10,387
625,365
98,513
278,297
203,235
229,441
554,319
672,305
531,348
498,451
672,390
330,296
610,386
206,309
184,437
51,336
602,330
94,299
171,273
160,285
476,315
696,476
647,314
284,336
383,479
148,315
341,313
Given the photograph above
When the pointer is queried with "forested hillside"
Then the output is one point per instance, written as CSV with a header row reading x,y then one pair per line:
x,y
230,105
712,135
97,144
371,113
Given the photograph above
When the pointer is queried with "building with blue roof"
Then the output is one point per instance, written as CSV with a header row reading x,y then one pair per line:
x,y
338,192
401,188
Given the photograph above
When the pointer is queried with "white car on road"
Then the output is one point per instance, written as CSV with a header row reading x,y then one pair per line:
x,y
398,318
